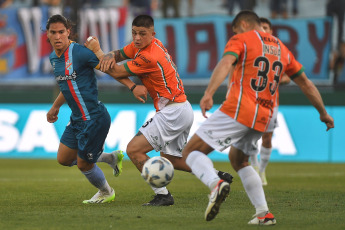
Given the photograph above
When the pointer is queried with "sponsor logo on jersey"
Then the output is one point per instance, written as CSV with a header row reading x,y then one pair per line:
x,y
73,77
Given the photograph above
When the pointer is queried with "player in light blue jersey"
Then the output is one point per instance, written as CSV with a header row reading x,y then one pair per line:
x,y
83,139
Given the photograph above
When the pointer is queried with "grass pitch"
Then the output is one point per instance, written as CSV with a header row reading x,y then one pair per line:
x,y
40,194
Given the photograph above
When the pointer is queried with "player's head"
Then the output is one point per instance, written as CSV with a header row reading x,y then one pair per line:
x,y
143,31
244,21
58,32
266,25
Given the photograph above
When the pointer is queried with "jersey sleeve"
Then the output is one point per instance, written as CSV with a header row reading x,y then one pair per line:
x,y
294,68
234,46
88,57
141,65
129,51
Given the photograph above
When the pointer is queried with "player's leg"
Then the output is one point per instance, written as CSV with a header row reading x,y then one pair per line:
x,y
254,162
90,144
96,177
265,154
68,148
250,179
196,157
66,156
136,151
114,159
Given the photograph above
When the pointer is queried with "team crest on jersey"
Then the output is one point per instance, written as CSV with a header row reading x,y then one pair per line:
x,y
68,65
136,63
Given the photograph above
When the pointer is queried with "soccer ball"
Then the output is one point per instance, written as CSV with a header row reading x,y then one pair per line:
x,y
158,171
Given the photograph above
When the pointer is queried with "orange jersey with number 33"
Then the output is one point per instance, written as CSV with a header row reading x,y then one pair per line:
x,y
153,65
261,61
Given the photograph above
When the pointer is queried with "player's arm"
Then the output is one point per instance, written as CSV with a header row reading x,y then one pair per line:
x,y
313,94
285,79
223,68
52,114
118,72
106,61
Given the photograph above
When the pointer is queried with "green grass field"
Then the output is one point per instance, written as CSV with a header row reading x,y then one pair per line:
x,y
40,194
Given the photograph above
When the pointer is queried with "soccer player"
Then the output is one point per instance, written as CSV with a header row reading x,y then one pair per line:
x,y
266,147
256,61
82,141
168,130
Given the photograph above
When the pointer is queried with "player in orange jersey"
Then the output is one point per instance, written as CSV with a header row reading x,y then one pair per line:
x,y
168,130
256,61
266,147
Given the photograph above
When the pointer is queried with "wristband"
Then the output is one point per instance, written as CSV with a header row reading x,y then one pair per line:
x,y
133,87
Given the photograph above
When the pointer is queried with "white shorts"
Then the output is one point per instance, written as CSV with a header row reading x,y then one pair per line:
x,y
274,121
167,131
221,131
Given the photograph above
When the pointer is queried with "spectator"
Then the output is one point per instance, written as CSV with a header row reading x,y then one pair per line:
x,y
243,5
294,7
278,7
337,8
139,7
337,64
5,3
174,4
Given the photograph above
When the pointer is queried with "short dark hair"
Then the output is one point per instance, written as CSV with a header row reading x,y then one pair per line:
x,y
265,20
66,22
143,21
246,15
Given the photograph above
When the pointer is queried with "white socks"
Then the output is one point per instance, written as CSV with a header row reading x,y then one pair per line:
x,y
163,190
253,186
254,160
265,154
202,168
107,158
96,178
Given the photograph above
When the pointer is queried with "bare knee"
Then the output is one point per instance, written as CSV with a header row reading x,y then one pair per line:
x,y
84,166
132,150
63,161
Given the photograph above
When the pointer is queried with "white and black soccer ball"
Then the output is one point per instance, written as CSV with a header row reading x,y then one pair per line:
x,y
158,171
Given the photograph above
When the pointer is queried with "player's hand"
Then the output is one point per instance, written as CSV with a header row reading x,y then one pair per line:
x,y
206,104
107,62
92,44
140,93
328,120
52,115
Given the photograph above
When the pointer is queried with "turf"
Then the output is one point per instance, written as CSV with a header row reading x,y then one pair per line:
x,y
40,194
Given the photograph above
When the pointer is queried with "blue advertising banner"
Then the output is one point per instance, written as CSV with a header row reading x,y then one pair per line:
x,y
300,137
196,44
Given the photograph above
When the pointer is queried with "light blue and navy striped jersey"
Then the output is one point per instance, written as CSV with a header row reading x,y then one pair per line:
x,y
74,72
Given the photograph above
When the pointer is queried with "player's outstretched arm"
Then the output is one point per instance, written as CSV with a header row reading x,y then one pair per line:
x,y
313,94
223,68
118,72
52,114
106,61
